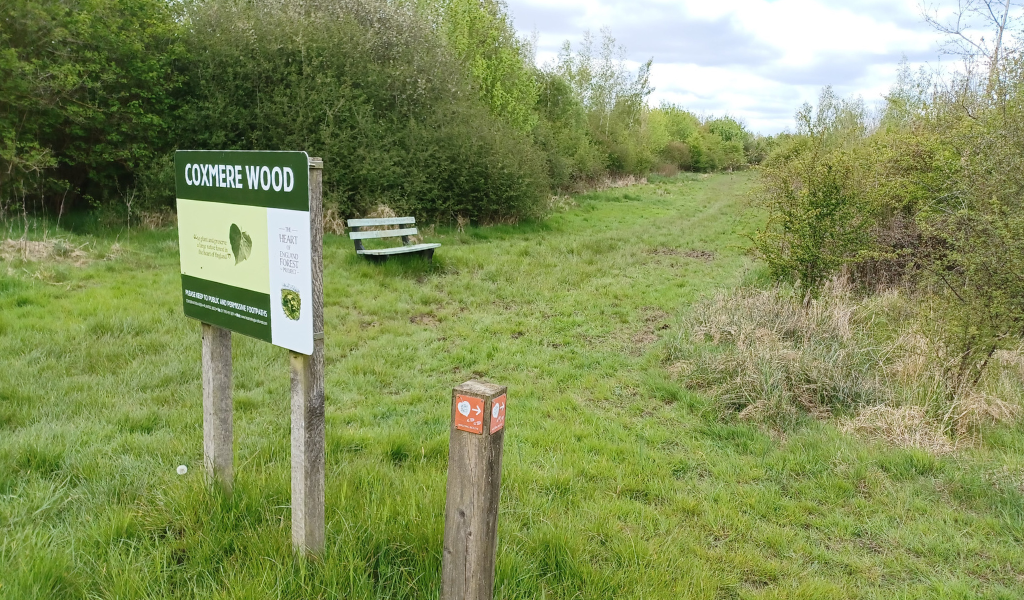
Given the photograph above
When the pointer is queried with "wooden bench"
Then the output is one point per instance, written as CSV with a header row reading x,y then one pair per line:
x,y
358,233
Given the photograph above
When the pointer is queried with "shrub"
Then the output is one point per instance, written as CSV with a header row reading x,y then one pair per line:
x,y
562,133
369,87
86,92
613,100
818,213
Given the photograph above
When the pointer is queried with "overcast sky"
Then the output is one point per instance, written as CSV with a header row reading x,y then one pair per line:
x,y
757,60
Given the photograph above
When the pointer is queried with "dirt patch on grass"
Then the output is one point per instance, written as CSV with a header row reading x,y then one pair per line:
x,y
654,321
425,319
903,427
644,338
702,255
34,251
653,314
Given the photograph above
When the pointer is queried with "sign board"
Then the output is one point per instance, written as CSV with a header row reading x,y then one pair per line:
x,y
244,239
469,414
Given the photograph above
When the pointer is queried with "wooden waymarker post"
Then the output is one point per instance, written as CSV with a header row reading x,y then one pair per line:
x,y
218,424
250,237
308,428
475,448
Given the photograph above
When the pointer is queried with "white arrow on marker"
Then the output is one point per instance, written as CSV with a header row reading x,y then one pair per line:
x,y
477,410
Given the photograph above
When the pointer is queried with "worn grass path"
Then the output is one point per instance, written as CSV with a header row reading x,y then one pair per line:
x,y
617,482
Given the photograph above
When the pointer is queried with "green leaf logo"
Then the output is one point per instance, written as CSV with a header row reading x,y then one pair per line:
x,y
241,243
291,304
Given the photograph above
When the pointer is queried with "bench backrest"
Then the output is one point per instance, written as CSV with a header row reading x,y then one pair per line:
x,y
357,225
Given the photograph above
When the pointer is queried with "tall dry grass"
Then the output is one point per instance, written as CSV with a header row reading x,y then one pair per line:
x,y
769,356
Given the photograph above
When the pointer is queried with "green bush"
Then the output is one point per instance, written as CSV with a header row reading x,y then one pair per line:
x,y
370,88
501,65
818,214
712,145
563,134
613,101
931,199
87,88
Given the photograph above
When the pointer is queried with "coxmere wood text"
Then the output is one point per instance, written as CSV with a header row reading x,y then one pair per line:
x,y
230,176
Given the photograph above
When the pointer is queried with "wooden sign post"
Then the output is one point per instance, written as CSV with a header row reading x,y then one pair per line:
x,y
250,234
218,424
308,428
474,487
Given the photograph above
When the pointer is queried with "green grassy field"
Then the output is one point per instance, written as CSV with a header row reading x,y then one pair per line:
x,y
617,482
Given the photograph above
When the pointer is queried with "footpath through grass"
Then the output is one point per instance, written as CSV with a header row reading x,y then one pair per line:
x,y
617,482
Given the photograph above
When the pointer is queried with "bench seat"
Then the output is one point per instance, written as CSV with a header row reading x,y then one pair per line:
x,y
399,249
358,232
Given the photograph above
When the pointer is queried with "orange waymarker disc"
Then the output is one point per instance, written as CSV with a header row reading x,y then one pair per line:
x,y
469,414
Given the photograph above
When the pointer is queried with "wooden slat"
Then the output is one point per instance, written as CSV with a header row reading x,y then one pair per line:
x,y
377,222
399,249
366,235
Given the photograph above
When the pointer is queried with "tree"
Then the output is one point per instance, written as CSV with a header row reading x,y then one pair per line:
x,y
813,190
600,79
977,30
614,100
480,33
87,89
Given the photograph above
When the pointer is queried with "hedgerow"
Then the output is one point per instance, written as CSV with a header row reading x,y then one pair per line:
x,y
435,108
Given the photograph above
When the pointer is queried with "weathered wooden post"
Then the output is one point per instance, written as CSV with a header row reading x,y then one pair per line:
x,y
474,488
308,429
218,423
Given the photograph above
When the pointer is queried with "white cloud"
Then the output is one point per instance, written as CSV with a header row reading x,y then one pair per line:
x,y
757,60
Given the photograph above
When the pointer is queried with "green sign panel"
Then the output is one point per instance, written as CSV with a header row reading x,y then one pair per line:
x,y
244,238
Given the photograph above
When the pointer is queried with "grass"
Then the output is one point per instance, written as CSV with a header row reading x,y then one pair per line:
x,y
771,355
617,482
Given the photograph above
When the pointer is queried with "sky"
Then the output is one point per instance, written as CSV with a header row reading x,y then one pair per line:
x,y
755,60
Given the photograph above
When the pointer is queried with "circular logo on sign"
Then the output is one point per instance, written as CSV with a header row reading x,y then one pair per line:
x,y
464,408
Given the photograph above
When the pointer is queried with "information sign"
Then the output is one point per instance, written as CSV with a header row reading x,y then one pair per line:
x,y
244,239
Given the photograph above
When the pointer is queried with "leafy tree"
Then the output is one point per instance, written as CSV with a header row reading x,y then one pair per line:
x,y
812,188
86,91
562,131
615,101
501,64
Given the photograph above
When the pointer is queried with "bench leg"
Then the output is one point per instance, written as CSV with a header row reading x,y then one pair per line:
x,y
429,254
